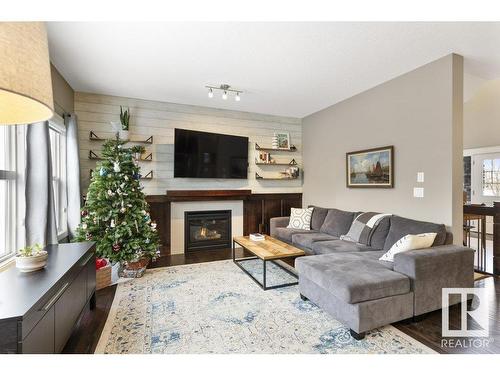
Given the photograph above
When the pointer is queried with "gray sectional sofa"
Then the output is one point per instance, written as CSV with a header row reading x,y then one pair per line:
x,y
349,281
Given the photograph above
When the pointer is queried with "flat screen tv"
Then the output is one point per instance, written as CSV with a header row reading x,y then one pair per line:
x,y
209,155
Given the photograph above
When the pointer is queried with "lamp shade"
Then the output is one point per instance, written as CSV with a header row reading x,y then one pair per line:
x,y
25,83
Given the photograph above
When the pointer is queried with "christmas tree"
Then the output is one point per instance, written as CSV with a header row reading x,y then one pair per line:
x,y
116,214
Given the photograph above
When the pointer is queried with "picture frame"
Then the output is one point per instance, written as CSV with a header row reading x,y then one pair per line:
x,y
283,140
371,168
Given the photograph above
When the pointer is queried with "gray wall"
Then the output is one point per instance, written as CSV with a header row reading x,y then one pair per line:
x,y
64,96
482,117
420,113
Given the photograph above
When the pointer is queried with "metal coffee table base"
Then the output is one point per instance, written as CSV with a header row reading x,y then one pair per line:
x,y
263,285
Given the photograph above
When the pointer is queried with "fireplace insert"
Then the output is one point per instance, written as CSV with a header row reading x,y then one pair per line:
x,y
207,230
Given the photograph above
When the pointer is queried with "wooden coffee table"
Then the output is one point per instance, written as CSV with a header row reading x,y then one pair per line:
x,y
269,250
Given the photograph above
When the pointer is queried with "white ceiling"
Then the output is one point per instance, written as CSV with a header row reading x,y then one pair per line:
x,y
289,69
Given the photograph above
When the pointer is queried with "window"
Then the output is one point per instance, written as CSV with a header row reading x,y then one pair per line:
x,y
57,132
11,183
491,177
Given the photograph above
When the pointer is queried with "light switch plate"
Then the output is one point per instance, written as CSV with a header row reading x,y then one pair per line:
x,y
420,177
418,192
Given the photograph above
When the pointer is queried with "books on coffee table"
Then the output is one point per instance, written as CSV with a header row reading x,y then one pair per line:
x,y
257,237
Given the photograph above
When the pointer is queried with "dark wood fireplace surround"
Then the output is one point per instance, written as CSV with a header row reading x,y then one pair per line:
x,y
258,208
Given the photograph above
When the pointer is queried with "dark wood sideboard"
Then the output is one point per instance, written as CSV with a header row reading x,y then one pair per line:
x,y
38,310
258,208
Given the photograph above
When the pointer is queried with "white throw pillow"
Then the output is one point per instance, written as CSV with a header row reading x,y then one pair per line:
x,y
300,218
409,242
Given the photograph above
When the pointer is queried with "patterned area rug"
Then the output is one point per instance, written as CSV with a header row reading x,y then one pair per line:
x,y
216,308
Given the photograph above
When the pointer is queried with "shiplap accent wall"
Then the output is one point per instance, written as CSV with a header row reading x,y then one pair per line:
x,y
95,112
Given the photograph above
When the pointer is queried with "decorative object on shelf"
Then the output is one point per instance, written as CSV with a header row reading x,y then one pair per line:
x,y
283,140
293,172
274,142
26,94
285,176
273,162
291,149
137,151
370,168
225,89
31,258
125,122
265,158
119,235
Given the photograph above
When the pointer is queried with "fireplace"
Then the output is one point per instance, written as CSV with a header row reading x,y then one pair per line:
x,y
207,230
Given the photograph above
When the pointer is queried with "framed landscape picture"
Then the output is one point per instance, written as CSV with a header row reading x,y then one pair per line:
x,y
373,168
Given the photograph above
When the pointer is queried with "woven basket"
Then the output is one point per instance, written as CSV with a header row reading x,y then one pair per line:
x,y
103,277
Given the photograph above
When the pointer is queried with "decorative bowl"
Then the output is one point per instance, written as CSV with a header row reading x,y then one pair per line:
x,y
32,263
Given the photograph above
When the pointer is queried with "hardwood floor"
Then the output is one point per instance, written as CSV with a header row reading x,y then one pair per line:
x,y
86,335
428,331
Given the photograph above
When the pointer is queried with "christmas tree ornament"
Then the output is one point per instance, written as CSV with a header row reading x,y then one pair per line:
x,y
112,225
116,247
84,225
103,172
84,213
110,193
123,210
116,167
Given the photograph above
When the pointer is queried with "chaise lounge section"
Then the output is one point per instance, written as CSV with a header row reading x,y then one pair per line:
x,y
348,280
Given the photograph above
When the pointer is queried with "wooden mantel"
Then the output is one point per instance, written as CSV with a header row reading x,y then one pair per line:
x,y
195,195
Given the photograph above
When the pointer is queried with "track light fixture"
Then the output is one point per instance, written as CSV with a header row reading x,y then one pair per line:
x,y
226,89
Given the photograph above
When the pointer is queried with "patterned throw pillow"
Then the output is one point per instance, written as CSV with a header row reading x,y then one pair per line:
x,y
409,242
300,218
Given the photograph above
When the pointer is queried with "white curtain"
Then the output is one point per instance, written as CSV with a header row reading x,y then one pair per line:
x,y
72,173
40,210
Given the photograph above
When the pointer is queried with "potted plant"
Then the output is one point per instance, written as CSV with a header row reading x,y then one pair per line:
x,y
31,258
124,121
137,151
